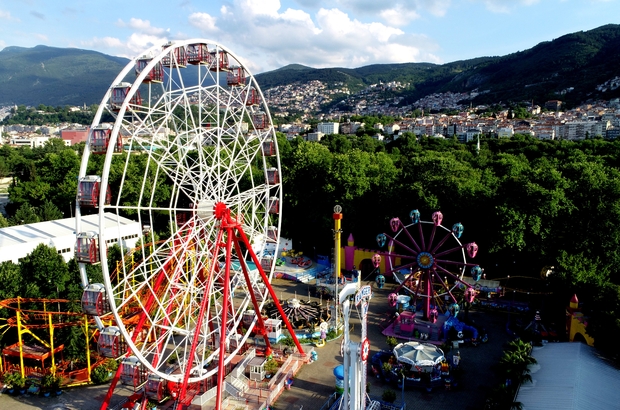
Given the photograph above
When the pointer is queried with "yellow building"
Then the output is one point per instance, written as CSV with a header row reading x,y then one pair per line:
x,y
577,323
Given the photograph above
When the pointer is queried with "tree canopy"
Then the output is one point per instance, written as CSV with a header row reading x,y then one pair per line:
x,y
527,203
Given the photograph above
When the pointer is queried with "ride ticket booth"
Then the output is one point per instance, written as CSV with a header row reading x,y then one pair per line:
x,y
257,368
407,322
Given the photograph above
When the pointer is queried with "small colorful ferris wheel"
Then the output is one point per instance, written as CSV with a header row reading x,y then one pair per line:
x,y
426,268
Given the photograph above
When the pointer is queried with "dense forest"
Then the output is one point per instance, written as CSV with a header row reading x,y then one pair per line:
x,y
527,203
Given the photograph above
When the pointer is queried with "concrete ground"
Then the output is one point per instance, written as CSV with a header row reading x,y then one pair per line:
x,y
315,382
77,398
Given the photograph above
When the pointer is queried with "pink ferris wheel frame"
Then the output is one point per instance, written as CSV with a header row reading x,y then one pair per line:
x,y
427,259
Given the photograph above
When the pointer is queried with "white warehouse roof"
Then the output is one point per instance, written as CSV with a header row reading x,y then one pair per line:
x,y
570,376
18,241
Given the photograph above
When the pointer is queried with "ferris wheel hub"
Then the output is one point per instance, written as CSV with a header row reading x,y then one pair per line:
x,y
205,209
221,211
425,260
294,303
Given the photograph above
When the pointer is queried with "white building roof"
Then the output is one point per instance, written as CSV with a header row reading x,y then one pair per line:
x,y
18,241
570,376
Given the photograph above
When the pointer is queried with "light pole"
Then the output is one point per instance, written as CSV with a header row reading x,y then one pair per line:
x,y
337,231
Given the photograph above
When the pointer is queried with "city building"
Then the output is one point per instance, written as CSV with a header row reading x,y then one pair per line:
x,y
579,130
315,136
327,128
74,135
392,129
32,142
505,132
553,105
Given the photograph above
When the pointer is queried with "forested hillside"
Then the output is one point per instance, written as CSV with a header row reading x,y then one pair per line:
x,y
55,76
573,68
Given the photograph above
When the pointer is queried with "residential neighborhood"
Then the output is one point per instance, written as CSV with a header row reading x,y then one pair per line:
x,y
445,115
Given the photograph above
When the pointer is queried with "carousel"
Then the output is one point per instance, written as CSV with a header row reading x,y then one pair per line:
x,y
417,364
302,314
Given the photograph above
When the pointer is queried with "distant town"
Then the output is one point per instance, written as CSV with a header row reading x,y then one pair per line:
x,y
315,109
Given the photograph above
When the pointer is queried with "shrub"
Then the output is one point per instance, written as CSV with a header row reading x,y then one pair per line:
x,y
99,374
271,366
50,382
111,365
288,341
388,396
391,341
387,367
332,334
13,379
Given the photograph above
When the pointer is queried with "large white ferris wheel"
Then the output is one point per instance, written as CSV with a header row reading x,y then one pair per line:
x,y
189,151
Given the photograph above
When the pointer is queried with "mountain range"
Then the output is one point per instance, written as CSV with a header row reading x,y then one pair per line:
x,y
573,68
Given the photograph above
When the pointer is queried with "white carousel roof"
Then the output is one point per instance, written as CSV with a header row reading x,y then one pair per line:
x,y
418,354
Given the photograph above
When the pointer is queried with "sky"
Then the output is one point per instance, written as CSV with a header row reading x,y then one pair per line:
x,y
269,34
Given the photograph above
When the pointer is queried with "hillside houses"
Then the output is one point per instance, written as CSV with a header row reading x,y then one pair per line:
x,y
35,136
600,119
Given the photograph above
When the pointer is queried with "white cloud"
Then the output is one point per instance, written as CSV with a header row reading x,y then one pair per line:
x,y
399,12
106,44
138,42
261,7
130,48
270,38
143,27
204,22
143,36
41,37
6,15
398,16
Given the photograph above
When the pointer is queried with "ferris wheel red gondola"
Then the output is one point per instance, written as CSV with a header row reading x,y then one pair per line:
x,y
426,269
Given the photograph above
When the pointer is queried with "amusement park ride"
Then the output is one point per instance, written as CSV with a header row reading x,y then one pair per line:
x,y
211,190
428,272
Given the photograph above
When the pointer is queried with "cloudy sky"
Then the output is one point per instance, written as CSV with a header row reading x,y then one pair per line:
x,y
269,34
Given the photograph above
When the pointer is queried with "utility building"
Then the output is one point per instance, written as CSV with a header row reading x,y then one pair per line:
x,y
18,241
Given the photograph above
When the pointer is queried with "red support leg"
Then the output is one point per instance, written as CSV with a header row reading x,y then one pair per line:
x,y
261,323
244,238
220,366
203,307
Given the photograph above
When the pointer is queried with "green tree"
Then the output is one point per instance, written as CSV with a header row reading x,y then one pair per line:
x,y
45,273
11,280
49,212
24,215
603,311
